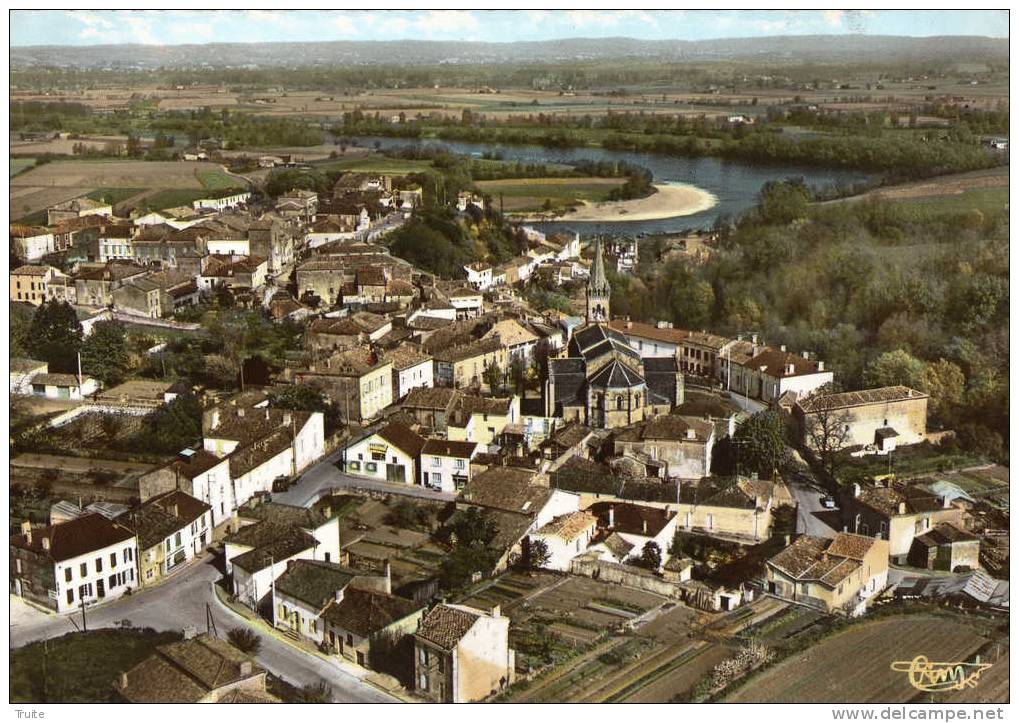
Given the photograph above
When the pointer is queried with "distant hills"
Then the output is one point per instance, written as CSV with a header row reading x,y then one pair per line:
x,y
808,48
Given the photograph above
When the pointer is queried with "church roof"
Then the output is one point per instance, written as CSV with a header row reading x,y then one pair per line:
x,y
616,376
595,340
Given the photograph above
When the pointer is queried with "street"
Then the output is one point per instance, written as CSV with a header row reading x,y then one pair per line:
x,y
808,504
184,600
324,477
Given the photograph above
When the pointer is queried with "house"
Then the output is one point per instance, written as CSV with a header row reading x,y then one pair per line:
x,y
31,242
945,547
446,464
267,536
479,275
679,446
156,295
23,371
233,272
85,560
61,288
95,284
63,386
198,669
882,419
76,208
635,525
770,373
172,529
518,339
199,474
701,353
481,419
651,340
231,199
412,369
115,242
842,574
30,283
462,654
737,508
303,591
262,444
464,365
298,204
897,512
566,537
467,303
431,407
359,328
390,455
358,380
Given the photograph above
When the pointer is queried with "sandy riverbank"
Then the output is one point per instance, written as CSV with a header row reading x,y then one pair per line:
x,y
671,200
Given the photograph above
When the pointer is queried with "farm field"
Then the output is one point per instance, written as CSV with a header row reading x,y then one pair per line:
x,y
528,194
21,164
854,666
375,164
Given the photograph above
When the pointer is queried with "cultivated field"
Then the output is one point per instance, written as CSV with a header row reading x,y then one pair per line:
x,y
529,194
855,666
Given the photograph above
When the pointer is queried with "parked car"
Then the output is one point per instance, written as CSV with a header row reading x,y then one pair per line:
x,y
828,502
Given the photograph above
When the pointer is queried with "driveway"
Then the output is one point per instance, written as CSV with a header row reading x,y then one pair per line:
x,y
188,599
325,477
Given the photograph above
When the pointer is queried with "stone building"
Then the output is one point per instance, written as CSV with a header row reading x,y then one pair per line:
x,y
884,418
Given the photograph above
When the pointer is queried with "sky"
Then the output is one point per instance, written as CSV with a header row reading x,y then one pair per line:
x,y
173,27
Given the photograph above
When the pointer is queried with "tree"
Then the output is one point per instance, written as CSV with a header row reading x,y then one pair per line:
x,y
827,428
535,554
174,426
104,353
55,336
945,383
651,555
760,444
472,527
518,374
493,376
245,640
894,368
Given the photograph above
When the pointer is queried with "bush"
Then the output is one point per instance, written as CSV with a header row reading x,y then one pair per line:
x,y
245,639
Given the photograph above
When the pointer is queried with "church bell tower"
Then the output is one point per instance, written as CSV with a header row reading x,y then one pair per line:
x,y
598,290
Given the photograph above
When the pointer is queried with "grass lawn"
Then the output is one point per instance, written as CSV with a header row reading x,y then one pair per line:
x,y
916,459
79,667
21,164
173,197
218,180
113,196
986,200
527,194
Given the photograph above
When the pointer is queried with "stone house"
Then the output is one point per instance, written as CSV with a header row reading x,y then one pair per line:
x,y
358,380
30,283
464,366
462,654
680,445
945,547
172,529
882,418
566,537
201,475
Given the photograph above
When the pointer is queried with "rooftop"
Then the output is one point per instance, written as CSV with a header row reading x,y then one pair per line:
x,y
80,536
314,582
367,612
882,395
445,625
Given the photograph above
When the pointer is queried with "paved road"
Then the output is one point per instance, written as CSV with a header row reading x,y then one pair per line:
x,y
324,476
808,498
182,601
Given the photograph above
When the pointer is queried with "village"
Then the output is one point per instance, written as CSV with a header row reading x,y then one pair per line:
x,y
446,492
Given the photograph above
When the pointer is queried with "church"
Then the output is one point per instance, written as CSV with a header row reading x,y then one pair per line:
x,y
600,380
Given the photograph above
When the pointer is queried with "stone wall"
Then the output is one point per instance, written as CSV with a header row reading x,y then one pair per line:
x,y
627,575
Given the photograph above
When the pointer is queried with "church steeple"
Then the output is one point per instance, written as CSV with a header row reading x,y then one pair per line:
x,y
598,290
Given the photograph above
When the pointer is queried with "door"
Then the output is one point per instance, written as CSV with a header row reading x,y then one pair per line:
x,y
395,473
100,588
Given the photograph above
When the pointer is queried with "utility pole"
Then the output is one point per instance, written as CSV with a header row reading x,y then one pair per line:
x,y
84,625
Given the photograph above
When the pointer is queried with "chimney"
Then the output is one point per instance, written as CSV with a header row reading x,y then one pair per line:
x,y
215,419
240,412
123,681
26,530
790,368
946,502
188,631
645,526
753,338
339,595
806,354
496,611
902,508
782,348
287,418
820,366
45,543
856,489
387,570
245,667
327,512
690,433
267,414
612,517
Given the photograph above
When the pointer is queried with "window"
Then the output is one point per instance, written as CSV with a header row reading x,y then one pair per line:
x,y
70,596
67,574
84,569
378,457
460,464
619,402
442,664
423,682
113,559
168,546
350,639
436,462
423,654
113,581
128,554
99,564
176,539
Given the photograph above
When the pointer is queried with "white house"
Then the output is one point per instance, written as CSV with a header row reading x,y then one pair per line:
x,y
468,303
635,525
23,371
566,537
63,386
389,455
446,465
258,552
770,373
222,203
651,340
479,275
33,242
88,559
411,369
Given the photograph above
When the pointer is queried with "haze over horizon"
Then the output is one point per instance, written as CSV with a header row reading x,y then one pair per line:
x,y
85,28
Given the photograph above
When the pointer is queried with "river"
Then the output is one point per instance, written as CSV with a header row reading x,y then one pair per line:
x,y
733,183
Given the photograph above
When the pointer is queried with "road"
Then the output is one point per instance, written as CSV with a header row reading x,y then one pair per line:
x,y
324,477
184,600
808,503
